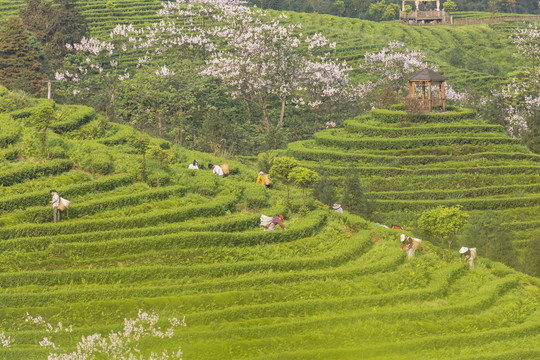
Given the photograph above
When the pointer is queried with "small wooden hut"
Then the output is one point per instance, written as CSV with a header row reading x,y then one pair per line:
x,y
424,16
427,79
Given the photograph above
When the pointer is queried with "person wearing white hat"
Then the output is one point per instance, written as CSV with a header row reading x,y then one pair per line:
x,y
406,243
470,255
337,208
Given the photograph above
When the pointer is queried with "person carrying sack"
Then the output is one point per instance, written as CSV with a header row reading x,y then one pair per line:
x,y
55,202
269,223
470,255
410,244
264,180
216,169
58,204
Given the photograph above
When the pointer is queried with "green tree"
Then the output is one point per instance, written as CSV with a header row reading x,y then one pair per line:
x,y
19,62
408,9
380,11
304,178
449,5
41,119
325,191
495,6
54,23
376,10
340,7
140,144
443,223
353,197
488,236
163,157
281,169
390,12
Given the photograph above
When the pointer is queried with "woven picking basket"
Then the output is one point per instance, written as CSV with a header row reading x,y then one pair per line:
x,y
225,168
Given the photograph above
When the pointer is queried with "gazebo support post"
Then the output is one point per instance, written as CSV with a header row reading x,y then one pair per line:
x,y
429,95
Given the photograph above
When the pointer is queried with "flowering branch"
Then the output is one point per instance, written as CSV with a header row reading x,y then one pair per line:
x,y
118,345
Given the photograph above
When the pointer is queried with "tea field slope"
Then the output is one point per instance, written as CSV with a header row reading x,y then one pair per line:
x,y
410,163
354,37
331,286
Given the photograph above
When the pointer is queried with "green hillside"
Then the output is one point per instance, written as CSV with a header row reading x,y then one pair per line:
x,y
456,49
331,286
410,163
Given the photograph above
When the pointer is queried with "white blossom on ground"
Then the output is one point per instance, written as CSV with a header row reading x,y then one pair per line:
x,y
5,341
123,344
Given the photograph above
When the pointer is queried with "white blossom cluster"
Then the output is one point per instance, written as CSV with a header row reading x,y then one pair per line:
x,y
527,40
518,105
48,327
122,345
5,341
394,62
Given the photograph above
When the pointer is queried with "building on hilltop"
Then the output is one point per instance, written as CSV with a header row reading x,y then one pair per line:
x,y
427,79
424,15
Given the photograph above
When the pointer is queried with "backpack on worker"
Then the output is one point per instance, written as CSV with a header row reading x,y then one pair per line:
x,y
266,221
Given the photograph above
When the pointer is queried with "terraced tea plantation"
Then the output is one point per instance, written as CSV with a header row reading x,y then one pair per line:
x,y
333,286
410,163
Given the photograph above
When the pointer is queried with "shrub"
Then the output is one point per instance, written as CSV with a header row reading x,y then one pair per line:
x,y
31,171
9,130
389,116
22,201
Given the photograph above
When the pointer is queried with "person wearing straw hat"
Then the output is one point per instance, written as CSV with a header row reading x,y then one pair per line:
x,y
55,202
470,255
194,166
337,208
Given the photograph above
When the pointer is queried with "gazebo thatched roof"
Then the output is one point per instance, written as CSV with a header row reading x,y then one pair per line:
x,y
427,75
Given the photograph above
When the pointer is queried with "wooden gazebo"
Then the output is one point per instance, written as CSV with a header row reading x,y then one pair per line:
x,y
427,78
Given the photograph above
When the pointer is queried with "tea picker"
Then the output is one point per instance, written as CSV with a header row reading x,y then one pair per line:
x,y
470,255
269,223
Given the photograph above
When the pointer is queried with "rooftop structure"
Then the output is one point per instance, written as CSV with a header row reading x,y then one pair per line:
x,y
426,78
424,15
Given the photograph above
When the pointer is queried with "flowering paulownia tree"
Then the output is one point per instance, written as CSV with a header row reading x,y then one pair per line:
x,y
124,344
527,41
395,63
521,96
270,61
96,57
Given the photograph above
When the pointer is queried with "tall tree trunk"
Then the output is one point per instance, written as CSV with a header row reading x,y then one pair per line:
x,y
46,143
266,122
159,125
281,115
